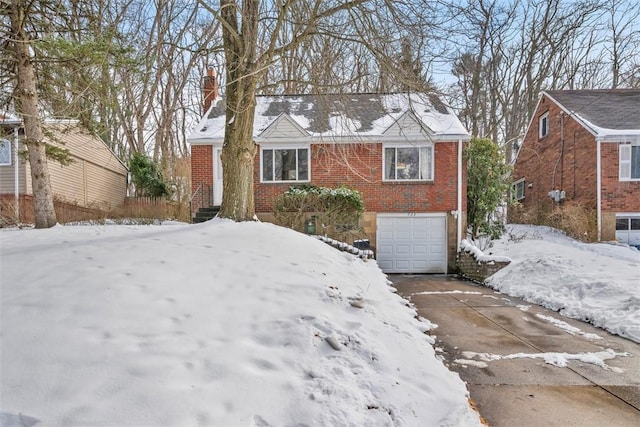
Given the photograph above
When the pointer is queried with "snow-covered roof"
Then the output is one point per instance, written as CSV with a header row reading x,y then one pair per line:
x,y
336,116
608,113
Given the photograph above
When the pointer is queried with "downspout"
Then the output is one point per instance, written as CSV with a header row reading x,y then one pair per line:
x,y
599,188
459,216
16,175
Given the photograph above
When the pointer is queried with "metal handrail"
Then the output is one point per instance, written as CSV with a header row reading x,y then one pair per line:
x,y
198,190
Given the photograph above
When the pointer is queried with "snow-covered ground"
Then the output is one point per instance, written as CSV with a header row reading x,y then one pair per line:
x,y
212,324
595,282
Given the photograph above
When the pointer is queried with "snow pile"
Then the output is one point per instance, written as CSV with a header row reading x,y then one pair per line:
x,y
595,282
468,247
211,324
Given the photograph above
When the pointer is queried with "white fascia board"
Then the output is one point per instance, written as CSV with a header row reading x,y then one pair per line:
x,y
614,135
205,141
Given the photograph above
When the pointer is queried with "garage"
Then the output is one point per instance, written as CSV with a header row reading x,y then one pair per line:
x,y
412,243
628,229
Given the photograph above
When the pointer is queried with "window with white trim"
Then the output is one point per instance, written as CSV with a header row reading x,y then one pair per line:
x,y
543,125
408,163
285,164
629,162
627,224
517,190
5,152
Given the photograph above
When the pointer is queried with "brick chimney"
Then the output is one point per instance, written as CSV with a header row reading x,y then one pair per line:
x,y
210,88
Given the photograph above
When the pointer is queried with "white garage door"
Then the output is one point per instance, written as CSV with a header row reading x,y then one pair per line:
x,y
412,243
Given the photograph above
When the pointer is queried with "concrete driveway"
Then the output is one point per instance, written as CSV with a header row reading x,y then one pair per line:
x,y
478,327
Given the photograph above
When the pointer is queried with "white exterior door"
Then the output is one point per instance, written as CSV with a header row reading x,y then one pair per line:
x,y
412,243
217,176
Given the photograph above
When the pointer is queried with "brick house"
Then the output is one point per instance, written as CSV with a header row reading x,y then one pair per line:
x,y
95,180
583,146
402,152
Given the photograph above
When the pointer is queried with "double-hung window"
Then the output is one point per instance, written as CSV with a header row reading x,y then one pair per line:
x,y
543,125
5,152
629,162
285,164
517,190
408,163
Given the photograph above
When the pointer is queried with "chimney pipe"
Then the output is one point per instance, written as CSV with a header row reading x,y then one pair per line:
x,y
210,88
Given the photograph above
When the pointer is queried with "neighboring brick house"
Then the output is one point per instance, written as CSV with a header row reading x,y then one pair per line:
x,y
402,152
584,146
95,180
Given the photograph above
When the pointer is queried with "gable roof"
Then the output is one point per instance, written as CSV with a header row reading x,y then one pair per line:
x,y
605,112
338,116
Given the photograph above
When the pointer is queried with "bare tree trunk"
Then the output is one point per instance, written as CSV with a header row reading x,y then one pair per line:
x,y
27,106
239,148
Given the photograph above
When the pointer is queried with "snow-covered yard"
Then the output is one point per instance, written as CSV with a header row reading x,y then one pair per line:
x,y
212,324
253,325
595,282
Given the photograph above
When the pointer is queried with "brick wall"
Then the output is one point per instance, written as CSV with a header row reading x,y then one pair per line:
x,y
359,166
617,196
201,170
563,160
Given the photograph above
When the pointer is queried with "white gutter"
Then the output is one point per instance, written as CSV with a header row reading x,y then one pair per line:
x,y
599,188
16,174
459,211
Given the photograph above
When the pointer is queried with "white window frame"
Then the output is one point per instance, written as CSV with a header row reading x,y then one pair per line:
x,y
543,125
5,146
285,147
431,170
625,153
514,190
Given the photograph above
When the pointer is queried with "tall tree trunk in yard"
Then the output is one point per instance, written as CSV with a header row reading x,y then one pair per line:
x,y
27,106
239,148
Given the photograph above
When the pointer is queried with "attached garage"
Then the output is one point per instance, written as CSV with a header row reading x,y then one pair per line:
x,y
412,242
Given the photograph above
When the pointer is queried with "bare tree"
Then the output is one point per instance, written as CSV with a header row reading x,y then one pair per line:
x,y
518,50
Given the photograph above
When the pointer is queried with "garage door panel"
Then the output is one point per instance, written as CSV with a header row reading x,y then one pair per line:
x,y
420,266
385,249
403,221
402,235
402,249
412,244
419,235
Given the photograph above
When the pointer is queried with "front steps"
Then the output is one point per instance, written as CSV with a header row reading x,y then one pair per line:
x,y
205,214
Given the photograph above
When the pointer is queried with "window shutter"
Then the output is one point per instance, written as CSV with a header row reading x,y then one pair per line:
x,y
625,162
